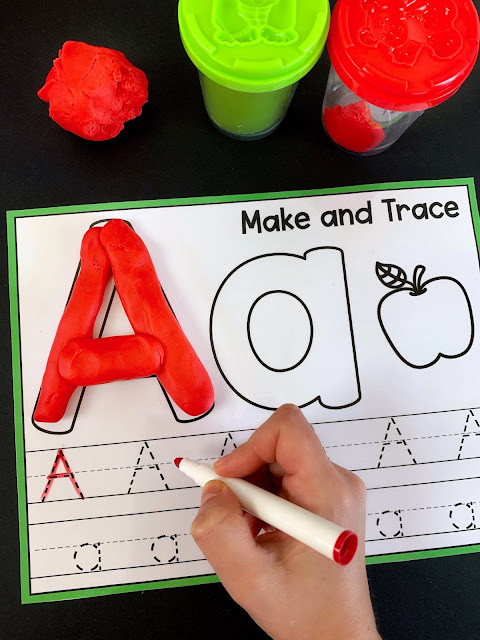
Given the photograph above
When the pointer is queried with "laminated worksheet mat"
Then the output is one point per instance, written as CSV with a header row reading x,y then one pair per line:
x,y
359,305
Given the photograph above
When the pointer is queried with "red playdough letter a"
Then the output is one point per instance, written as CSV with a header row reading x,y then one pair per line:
x,y
68,473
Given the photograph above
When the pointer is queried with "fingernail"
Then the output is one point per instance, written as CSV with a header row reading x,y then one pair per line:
x,y
220,462
211,489
217,464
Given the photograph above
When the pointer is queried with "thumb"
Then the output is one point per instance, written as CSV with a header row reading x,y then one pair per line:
x,y
223,534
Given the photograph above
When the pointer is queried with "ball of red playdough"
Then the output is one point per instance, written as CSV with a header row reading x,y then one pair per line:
x,y
92,91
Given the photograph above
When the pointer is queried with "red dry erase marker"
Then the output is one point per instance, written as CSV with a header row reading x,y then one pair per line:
x,y
327,538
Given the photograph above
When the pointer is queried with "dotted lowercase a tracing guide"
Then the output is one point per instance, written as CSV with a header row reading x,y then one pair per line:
x,y
361,305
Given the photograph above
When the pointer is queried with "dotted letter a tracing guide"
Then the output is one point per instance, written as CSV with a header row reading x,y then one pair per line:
x,y
360,305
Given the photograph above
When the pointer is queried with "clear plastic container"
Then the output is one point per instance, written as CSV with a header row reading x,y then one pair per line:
x,y
358,126
390,62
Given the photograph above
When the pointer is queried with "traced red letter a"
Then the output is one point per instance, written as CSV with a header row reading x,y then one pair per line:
x,y
68,473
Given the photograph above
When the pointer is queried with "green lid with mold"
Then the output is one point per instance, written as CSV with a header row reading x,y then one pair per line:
x,y
254,45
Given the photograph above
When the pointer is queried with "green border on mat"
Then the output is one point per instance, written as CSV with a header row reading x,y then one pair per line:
x,y
26,596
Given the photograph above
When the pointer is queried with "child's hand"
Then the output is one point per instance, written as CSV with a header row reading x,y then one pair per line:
x,y
291,591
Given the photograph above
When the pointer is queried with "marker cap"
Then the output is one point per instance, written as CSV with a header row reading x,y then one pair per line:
x,y
345,547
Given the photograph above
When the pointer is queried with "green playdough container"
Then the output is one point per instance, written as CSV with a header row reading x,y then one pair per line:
x,y
250,55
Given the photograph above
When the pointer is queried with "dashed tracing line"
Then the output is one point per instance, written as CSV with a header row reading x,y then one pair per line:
x,y
328,446
411,439
387,442
104,469
73,546
53,475
401,523
461,504
465,434
175,555
384,445
399,533
437,506
95,545
229,437
469,505
383,442
439,435
139,467
398,513
67,546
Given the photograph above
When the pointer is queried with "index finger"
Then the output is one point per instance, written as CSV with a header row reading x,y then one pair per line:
x,y
287,439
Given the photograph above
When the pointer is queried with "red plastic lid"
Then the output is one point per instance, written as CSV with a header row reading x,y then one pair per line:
x,y
404,55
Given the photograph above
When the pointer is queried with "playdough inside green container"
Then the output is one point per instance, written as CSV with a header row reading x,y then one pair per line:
x,y
250,55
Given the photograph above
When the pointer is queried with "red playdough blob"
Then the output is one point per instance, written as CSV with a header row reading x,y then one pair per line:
x,y
92,91
352,127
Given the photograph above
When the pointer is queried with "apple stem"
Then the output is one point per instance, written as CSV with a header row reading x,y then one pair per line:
x,y
417,280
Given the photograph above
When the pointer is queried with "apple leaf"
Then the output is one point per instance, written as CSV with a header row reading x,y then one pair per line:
x,y
390,275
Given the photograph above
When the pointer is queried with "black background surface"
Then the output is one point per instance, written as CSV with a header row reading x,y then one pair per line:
x,y
173,151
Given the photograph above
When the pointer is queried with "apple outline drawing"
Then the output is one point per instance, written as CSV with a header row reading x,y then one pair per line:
x,y
395,278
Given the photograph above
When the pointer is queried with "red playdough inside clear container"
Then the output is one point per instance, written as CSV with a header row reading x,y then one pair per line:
x,y
392,60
